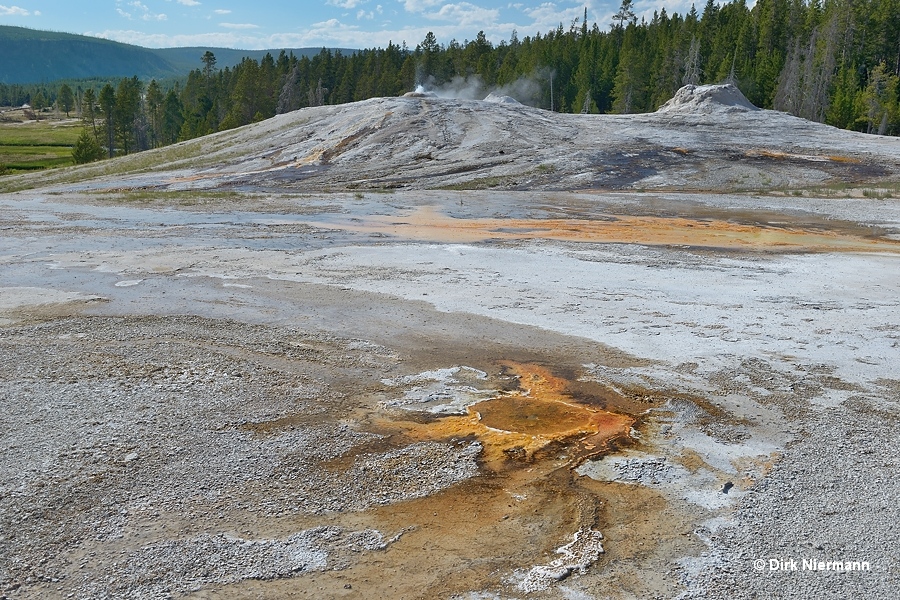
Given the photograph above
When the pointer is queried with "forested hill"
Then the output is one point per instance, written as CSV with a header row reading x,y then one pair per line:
x,y
34,56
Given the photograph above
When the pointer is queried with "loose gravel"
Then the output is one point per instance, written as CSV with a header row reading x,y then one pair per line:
x,y
132,446
832,498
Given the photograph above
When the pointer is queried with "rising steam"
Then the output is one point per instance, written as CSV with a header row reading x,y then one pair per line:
x,y
526,90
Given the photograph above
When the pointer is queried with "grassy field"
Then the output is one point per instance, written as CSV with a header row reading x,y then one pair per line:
x,y
35,145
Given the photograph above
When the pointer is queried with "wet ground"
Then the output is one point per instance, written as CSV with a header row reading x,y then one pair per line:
x,y
417,394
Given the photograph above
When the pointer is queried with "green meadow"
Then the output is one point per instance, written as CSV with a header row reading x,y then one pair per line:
x,y
35,145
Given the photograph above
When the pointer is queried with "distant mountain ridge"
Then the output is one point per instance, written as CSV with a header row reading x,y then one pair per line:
x,y
35,56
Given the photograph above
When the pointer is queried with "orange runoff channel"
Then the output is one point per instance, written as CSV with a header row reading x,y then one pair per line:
x,y
429,224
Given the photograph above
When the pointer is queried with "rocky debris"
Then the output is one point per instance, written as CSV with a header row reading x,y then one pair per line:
x,y
441,391
831,498
643,469
175,422
413,471
576,556
649,471
705,99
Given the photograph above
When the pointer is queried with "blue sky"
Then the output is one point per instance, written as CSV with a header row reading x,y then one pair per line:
x,y
295,24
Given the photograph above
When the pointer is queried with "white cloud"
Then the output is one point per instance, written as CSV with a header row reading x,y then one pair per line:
x,y
14,11
189,2
332,28
222,11
548,16
238,25
142,10
465,14
346,3
417,6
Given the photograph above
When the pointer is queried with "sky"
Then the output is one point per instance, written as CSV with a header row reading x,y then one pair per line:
x,y
267,24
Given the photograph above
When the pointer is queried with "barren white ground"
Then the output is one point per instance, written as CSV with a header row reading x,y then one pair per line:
x,y
791,359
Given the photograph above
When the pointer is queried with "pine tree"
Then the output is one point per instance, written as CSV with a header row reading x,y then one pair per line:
x,y
209,66
65,99
172,118
107,100
246,94
154,99
128,114
38,102
841,112
624,15
428,66
86,148
630,88
877,103
89,112
585,79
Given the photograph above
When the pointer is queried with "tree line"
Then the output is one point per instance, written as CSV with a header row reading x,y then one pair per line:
x,y
831,61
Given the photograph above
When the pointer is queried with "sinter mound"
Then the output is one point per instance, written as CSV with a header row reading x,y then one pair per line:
x,y
704,99
500,99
